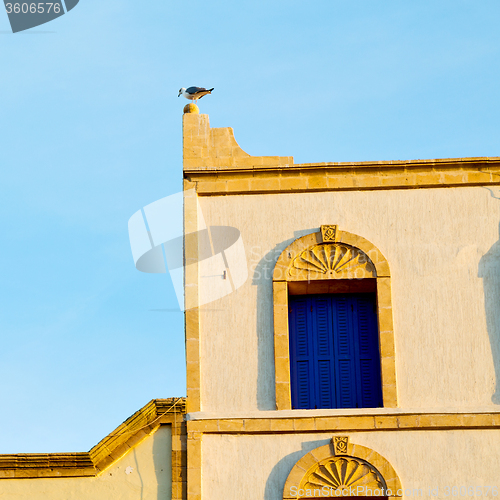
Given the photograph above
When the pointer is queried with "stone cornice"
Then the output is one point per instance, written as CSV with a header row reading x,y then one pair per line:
x,y
314,177
371,165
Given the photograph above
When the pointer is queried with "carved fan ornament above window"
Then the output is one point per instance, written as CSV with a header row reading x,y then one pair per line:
x,y
333,258
338,471
344,476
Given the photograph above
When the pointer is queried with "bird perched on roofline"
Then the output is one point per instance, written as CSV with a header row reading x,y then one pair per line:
x,y
194,93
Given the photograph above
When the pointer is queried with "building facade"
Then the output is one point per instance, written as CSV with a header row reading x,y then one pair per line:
x,y
287,395
342,338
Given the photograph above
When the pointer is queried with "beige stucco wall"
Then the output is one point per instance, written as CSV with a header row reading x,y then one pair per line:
x,y
149,479
444,251
256,467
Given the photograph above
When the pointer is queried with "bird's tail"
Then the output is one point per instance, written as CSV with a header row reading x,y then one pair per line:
x,y
210,90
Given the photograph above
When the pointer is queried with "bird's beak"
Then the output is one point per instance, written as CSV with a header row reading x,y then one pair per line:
x,y
179,94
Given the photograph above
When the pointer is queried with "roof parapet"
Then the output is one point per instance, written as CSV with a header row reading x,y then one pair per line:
x,y
208,148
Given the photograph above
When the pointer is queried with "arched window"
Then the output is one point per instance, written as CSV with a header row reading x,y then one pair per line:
x,y
334,338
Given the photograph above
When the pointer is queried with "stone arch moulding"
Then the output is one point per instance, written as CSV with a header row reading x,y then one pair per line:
x,y
320,258
341,469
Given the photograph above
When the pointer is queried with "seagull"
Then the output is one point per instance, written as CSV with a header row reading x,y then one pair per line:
x,y
194,93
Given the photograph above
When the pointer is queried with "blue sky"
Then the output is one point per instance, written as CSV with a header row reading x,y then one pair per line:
x,y
91,132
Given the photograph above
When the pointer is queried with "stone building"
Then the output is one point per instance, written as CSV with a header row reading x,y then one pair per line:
x,y
355,350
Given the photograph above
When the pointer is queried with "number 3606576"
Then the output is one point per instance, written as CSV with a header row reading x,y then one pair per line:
x,y
33,8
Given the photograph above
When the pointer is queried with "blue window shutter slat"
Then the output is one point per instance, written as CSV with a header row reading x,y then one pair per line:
x,y
356,350
367,327
303,384
345,379
325,392
343,330
300,311
345,384
322,315
370,394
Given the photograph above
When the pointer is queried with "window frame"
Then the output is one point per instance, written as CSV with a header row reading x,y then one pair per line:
x,y
283,278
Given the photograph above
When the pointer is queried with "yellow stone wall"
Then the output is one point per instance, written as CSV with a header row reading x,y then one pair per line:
x,y
256,467
443,276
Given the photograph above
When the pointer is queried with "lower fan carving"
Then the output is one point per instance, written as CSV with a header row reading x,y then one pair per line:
x,y
353,477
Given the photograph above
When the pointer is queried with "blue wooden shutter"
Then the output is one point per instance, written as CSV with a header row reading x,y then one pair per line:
x,y
301,353
344,351
321,310
369,375
334,354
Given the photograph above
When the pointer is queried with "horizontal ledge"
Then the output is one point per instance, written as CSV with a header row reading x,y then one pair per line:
x,y
336,189
329,190
354,423
348,412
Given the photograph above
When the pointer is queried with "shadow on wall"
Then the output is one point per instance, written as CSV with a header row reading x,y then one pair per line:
x,y
138,472
276,481
263,279
489,270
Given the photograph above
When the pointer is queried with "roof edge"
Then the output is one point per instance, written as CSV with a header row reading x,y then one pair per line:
x,y
114,446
